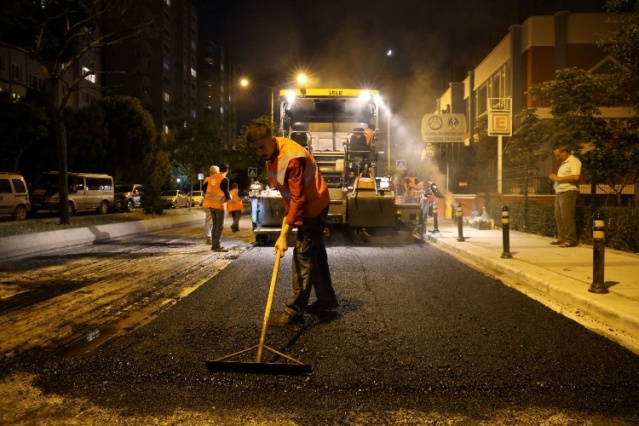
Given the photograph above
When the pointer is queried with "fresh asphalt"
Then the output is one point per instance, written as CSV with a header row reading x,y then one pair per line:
x,y
558,277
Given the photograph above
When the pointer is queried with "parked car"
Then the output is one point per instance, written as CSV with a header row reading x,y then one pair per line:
x,y
128,196
14,196
87,191
196,198
174,198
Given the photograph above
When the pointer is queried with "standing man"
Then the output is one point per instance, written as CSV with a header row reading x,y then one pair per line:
x,y
207,219
234,207
293,171
217,193
566,190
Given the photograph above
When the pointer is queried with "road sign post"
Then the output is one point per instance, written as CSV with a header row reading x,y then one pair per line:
x,y
500,124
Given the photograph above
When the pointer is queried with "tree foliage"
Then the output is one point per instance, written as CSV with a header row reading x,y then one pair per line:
x,y
22,124
58,35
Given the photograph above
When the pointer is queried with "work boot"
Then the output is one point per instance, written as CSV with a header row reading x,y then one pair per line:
x,y
284,318
322,305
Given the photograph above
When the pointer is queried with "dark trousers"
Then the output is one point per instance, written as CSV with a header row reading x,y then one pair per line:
x,y
565,205
236,215
217,217
310,265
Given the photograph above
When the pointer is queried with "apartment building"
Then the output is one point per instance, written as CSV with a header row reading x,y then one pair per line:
x,y
160,68
217,88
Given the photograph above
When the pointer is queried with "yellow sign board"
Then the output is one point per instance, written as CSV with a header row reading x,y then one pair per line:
x,y
499,123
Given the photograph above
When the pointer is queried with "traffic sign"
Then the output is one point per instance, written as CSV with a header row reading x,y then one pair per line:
x,y
252,172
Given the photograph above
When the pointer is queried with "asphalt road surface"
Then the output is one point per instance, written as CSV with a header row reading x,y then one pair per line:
x,y
419,338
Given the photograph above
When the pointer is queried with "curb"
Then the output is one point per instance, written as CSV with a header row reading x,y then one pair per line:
x,y
17,245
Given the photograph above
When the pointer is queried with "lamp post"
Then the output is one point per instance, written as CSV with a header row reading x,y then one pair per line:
x,y
245,82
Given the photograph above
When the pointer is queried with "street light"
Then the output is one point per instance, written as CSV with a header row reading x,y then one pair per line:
x,y
246,83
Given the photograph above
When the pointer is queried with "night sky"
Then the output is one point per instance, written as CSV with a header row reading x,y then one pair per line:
x,y
343,43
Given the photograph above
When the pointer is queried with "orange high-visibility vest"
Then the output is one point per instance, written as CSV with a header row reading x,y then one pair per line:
x,y
315,190
235,203
214,196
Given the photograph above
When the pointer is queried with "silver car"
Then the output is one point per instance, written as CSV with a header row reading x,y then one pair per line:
x,y
174,198
128,196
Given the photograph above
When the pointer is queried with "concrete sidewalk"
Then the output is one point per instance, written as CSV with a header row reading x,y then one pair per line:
x,y
558,277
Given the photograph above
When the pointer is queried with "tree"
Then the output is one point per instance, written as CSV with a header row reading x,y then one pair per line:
x,y
575,97
196,147
21,124
58,35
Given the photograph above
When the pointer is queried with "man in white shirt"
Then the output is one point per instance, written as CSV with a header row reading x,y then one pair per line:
x,y
566,182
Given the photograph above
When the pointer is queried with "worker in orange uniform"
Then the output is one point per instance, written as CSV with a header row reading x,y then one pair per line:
x,y
411,188
293,171
234,207
369,133
208,223
217,193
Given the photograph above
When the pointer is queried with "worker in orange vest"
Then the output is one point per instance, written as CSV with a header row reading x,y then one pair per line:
x,y
234,207
217,193
208,223
292,170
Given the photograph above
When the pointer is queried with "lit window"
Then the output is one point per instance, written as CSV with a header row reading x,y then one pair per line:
x,y
87,75
193,72
167,97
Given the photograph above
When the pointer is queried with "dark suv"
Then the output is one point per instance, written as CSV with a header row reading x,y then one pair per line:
x,y
128,196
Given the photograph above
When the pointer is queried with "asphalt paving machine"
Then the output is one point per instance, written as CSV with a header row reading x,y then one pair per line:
x,y
339,127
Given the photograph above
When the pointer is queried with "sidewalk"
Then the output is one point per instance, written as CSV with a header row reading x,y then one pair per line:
x,y
557,277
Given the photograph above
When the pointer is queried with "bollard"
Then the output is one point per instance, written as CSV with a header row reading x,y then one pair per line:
x,y
460,223
435,225
505,227
598,253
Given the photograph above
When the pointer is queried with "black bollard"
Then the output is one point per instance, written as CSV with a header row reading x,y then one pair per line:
x,y
598,253
460,223
505,227
435,225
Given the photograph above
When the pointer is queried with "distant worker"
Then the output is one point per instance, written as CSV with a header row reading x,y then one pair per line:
x,y
566,182
234,207
369,133
207,218
217,193
411,186
293,171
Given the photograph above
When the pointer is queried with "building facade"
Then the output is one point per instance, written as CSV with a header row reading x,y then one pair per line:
x,y
530,54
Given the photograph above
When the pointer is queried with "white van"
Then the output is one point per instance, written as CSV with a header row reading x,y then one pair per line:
x,y
14,196
87,191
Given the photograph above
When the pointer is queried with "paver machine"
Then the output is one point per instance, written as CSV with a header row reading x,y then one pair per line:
x,y
338,126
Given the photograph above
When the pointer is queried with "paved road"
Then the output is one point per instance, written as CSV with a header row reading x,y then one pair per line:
x,y
419,338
